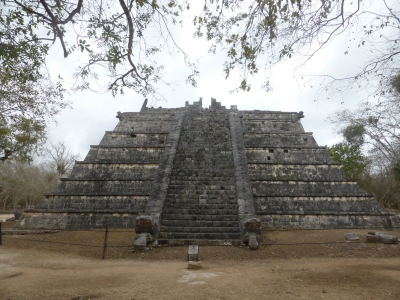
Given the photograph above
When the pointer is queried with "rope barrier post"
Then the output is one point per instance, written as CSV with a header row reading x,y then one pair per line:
x,y
105,244
1,239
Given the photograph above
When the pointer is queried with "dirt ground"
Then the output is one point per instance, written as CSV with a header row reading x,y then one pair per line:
x,y
306,264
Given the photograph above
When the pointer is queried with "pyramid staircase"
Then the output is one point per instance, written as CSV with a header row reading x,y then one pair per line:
x,y
201,203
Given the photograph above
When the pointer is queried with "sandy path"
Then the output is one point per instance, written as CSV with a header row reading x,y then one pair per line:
x,y
44,275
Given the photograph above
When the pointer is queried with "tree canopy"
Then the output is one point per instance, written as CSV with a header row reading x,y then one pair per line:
x,y
26,104
350,156
60,158
120,41
376,127
123,37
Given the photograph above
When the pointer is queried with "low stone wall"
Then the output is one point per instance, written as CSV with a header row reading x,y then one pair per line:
x,y
310,205
76,221
108,187
331,221
136,203
280,140
287,155
125,171
119,155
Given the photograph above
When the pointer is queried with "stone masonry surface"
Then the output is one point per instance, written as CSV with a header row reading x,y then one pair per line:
x,y
199,173
201,200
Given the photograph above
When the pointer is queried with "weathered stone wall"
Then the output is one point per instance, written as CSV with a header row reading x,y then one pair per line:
x,y
303,171
300,140
104,187
131,171
313,205
108,203
112,185
295,183
262,126
134,138
198,172
124,154
76,220
286,154
304,188
327,221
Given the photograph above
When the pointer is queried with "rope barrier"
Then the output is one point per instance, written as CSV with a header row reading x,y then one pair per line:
x,y
263,230
318,229
131,246
105,246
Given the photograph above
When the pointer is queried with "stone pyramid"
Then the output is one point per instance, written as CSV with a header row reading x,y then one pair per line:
x,y
215,175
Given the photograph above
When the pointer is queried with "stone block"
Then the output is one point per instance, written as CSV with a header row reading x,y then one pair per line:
x,y
251,225
387,239
17,215
195,265
140,243
193,253
253,241
371,238
145,224
352,236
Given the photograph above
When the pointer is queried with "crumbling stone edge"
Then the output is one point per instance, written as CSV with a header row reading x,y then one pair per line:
x,y
250,226
147,225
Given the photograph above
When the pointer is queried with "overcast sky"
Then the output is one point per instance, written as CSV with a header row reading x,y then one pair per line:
x,y
92,114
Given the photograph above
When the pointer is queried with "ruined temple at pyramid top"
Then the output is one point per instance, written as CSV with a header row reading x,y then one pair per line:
x,y
195,174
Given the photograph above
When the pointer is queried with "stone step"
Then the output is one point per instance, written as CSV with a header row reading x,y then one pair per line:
x,y
203,165
199,223
199,129
205,169
178,202
199,206
200,189
203,141
206,182
198,157
199,211
202,174
196,195
194,175
189,229
200,235
199,217
202,242
208,153
204,195
201,199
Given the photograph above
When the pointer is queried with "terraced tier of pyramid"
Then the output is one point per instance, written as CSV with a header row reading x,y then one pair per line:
x,y
210,174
